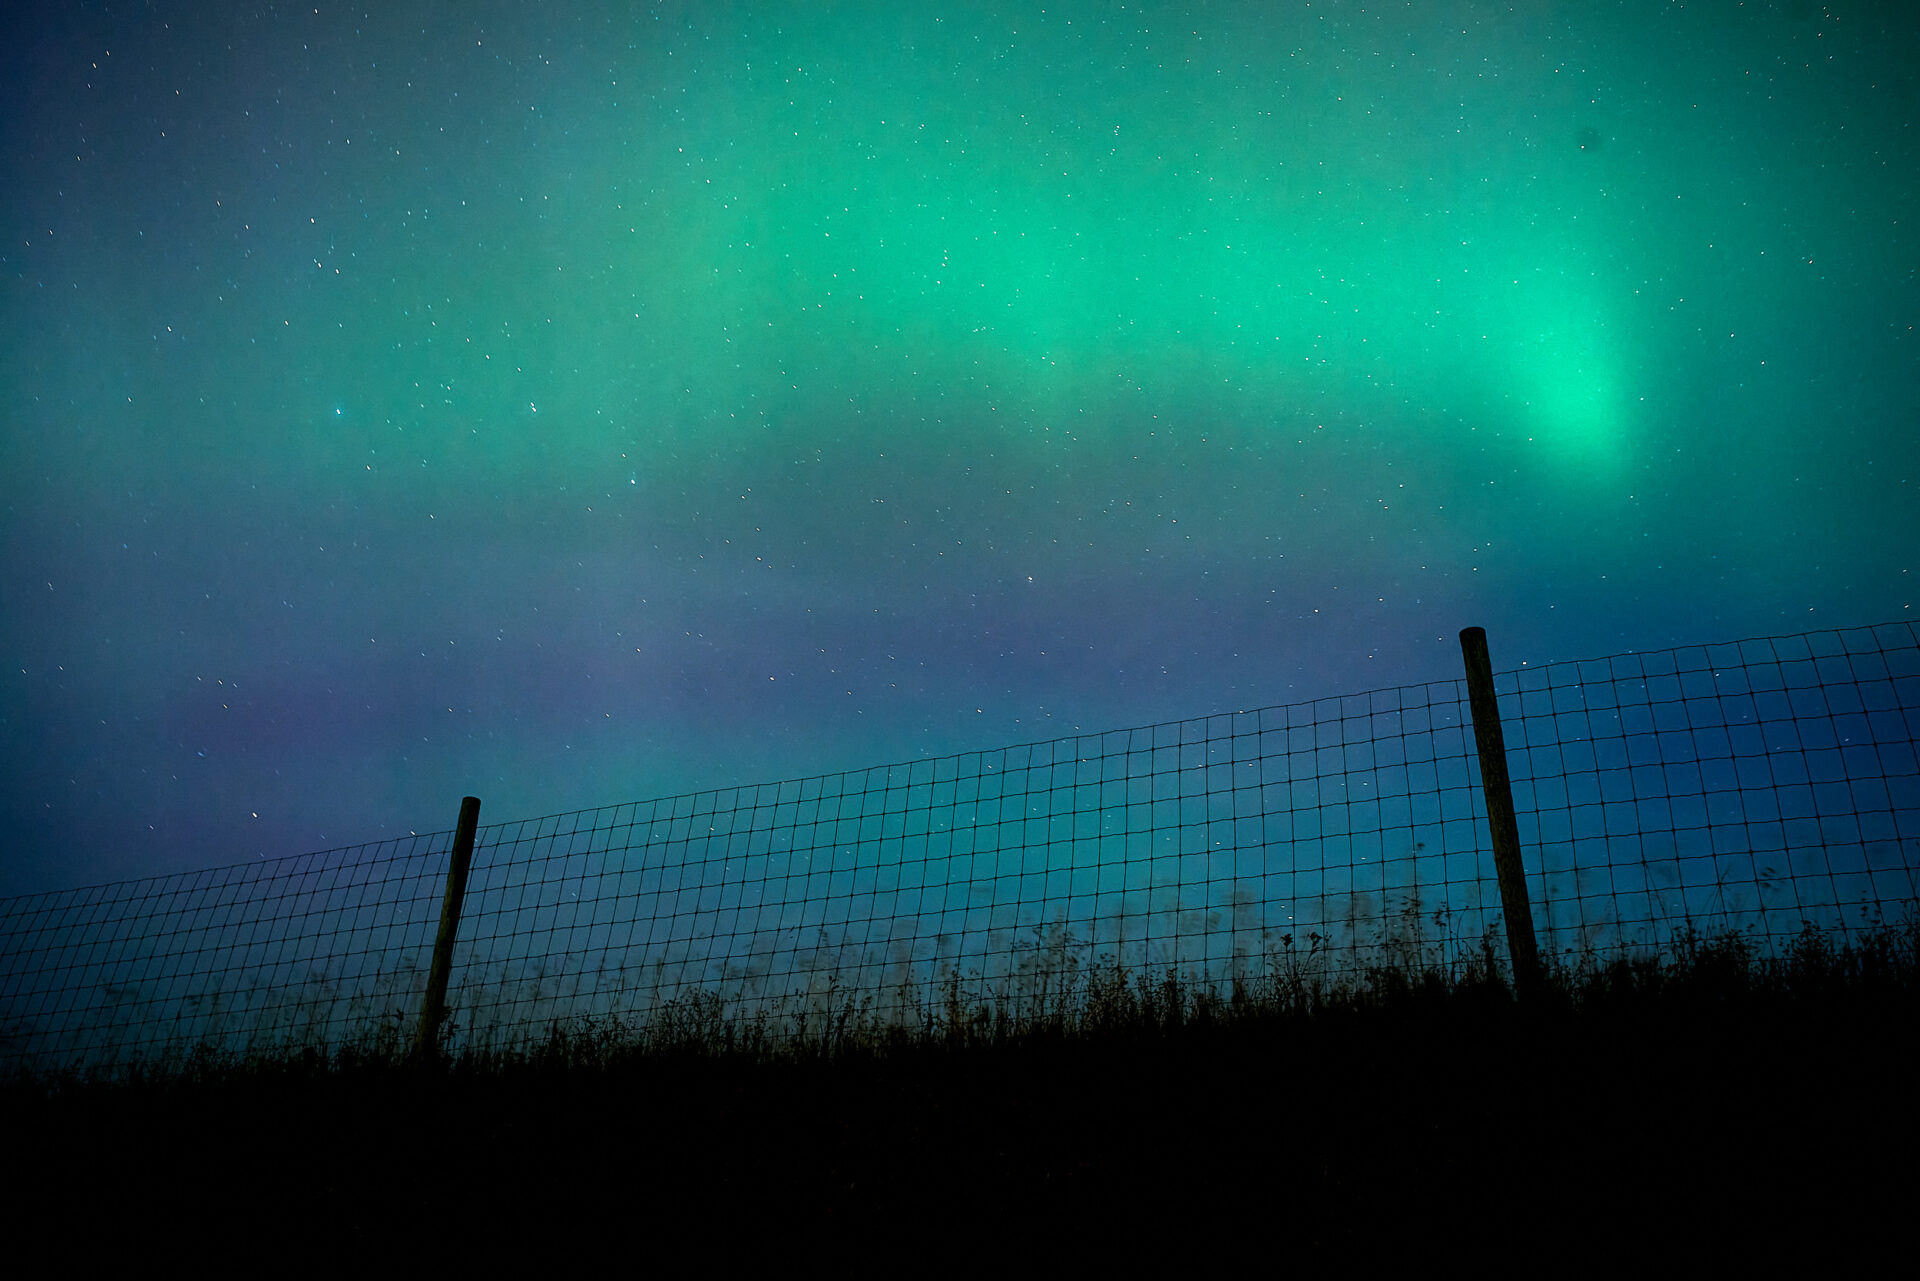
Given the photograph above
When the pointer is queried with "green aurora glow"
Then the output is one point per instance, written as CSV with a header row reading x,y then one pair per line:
x,y
577,403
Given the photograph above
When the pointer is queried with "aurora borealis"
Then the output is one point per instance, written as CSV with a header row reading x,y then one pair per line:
x,y
579,403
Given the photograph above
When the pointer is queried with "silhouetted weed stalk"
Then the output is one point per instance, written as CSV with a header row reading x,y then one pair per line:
x,y
1059,997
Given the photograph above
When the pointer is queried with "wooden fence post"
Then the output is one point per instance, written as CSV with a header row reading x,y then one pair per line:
x,y
1501,826
433,1007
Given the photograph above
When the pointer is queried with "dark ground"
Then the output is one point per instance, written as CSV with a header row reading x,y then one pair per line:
x,y
1661,1131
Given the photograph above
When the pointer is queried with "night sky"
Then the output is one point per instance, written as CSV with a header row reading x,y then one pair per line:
x,y
574,404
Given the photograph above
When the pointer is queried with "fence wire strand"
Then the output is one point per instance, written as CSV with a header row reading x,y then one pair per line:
x,y
1752,787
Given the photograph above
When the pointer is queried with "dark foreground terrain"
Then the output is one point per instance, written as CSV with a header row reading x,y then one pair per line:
x,y
1714,1110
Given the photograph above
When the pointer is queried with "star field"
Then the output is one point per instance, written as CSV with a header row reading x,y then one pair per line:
x,y
577,404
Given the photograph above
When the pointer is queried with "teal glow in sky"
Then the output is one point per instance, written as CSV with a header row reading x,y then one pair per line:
x,y
571,404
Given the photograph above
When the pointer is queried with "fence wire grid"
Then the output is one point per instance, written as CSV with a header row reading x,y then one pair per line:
x,y
1755,786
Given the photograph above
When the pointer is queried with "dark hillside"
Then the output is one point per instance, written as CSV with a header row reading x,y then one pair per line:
x,y
1718,1104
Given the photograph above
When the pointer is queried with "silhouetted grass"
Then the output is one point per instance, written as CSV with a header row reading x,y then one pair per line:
x,y
1091,1006
1719,1086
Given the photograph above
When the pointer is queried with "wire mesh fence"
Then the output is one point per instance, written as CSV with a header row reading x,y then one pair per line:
x,y
1197,845
1754,787
1749,787
313,949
